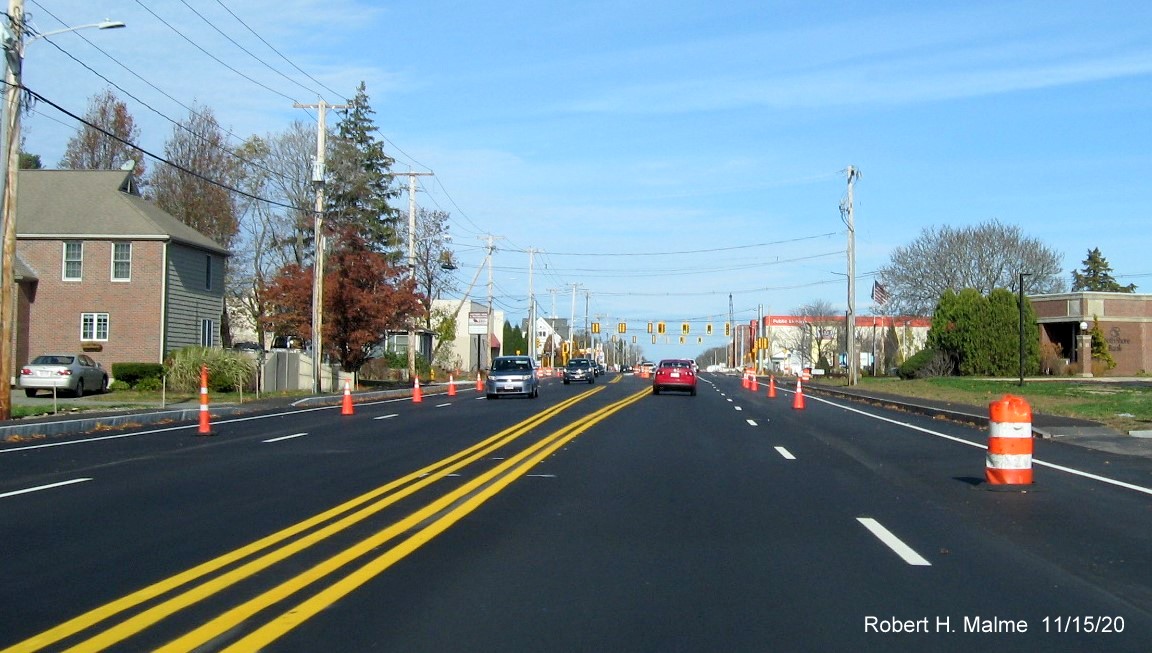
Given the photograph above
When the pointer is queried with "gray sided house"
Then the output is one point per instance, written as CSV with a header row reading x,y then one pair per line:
x,y
103,270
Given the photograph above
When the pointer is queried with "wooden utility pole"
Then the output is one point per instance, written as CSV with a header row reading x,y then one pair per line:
x,y
318,243
412,263
850,318
488,336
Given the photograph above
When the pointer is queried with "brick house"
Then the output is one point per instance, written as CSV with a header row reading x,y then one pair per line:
x,y
103,270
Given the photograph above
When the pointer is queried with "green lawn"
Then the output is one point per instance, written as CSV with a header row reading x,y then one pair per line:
x,y
1125,406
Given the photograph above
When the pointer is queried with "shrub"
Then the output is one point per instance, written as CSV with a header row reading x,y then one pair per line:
x,y
927,363
132,373
227,369
148,384
119,386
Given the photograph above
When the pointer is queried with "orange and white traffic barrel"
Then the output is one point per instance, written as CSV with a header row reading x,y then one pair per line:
x,y
1009,459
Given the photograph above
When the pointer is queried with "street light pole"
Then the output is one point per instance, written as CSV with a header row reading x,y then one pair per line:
x,y
1020,305
13,79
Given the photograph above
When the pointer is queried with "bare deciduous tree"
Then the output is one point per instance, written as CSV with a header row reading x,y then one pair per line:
x,y
199,146
93,149
983,257
271,236
201,200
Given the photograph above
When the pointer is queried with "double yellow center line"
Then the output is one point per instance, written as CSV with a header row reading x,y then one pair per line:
x,y
439,515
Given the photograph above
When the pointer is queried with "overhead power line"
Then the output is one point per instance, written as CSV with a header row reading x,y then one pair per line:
x,y
157,157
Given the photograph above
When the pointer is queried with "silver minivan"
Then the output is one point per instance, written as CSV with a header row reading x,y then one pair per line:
x,y
512,375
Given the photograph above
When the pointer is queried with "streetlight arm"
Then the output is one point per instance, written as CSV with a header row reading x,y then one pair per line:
x,y
108,24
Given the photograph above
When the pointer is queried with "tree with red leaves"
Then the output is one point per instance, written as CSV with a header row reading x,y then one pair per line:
x,y
364,297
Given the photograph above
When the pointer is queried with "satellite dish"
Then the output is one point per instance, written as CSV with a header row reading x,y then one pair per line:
x,y
129,165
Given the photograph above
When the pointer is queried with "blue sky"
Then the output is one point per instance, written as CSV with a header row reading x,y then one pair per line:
x,y
663,155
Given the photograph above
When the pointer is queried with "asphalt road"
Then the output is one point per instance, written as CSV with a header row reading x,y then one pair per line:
x,y
594,518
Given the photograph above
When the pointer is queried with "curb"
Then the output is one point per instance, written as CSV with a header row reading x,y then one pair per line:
x,y
24,429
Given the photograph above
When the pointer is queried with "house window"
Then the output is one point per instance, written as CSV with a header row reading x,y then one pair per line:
x,y
94,326
121,261
207,333
73,260
208,272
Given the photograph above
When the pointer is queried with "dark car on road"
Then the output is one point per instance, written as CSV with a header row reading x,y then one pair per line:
x,y
580,369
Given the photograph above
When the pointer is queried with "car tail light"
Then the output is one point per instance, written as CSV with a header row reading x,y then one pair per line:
x,y
65,372
25,370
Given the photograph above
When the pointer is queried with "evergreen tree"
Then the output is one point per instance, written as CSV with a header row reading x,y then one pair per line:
x,y
30,161
981,335
360,181
1097,276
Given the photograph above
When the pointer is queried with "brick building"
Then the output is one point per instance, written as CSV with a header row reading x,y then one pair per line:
x,y
101,269
1125,319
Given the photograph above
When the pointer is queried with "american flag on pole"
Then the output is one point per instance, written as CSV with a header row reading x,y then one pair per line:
x,y
880,294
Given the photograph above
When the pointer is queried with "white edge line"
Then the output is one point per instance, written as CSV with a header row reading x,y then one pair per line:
x,y
44,487
286,437
784,452
387,416
900,548
1068,470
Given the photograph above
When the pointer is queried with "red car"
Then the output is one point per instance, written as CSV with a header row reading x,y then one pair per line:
x,y
675,374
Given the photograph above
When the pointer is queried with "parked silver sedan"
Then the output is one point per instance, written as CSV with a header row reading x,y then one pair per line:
x,y
72,373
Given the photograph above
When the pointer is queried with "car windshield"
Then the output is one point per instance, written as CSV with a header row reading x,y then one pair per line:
x,y
666,364
53,360
578,363
511,365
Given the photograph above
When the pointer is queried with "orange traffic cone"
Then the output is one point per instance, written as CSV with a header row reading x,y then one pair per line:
x,y
798,398
479,383
771,387
451,386
744,381
346,407
205,427
417,396
755,383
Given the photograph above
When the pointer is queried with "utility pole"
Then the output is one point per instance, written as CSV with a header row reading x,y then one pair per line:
x,y
554,333
13,78
488,340
318,241
572,321
13,43
412,264
587,326
759,338
732,326
850,319
531,308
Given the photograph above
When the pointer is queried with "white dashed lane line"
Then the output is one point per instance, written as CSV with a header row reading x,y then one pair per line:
x,y
285,437
892,542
